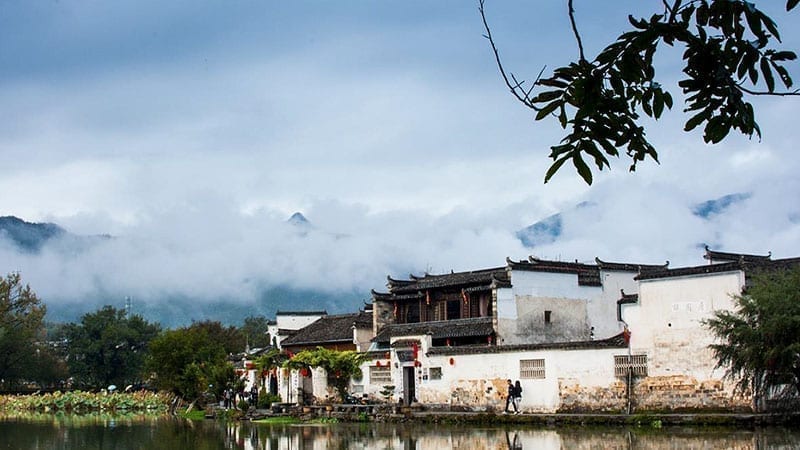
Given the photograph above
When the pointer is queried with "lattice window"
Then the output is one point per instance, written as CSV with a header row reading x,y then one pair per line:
x,y
532,369
636,365
435,373
380,375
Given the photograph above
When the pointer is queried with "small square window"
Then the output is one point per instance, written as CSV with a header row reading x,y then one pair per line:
x,y
435,373
548,316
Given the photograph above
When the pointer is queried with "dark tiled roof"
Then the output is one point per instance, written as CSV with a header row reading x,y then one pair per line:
x,y
628,267
613,342
301,313
712,256
330,329
696,270
456,279
743,265
481,327
588,274
386,296
627,298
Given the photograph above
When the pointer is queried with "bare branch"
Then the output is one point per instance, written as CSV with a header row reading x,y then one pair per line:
x,y
575,31
793,93
515,88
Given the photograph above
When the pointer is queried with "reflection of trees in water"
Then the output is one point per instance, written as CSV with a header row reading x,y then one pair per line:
x,y
123,433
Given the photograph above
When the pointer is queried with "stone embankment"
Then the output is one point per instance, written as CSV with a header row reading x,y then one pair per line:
x,y
419,413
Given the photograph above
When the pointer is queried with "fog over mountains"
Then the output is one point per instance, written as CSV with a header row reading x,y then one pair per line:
x,y
224,268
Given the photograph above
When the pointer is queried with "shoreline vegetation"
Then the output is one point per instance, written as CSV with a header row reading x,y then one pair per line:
x,y
82,402
160,403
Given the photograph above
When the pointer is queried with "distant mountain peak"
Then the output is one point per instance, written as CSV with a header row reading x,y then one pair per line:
x,y
298,219
28,236
707,209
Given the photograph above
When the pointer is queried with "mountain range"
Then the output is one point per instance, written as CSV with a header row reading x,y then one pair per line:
x,y
28,238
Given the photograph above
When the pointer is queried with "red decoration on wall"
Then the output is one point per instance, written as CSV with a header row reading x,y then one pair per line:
x,y
452,361
415,350
378,364
465,296
304,372
417,364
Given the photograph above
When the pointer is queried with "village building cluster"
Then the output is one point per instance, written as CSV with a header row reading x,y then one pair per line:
x,y
597,337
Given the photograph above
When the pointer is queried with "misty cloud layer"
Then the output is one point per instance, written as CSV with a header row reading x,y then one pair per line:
x,y
190,134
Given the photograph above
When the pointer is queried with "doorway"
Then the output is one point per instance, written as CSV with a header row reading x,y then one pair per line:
x,y
409,387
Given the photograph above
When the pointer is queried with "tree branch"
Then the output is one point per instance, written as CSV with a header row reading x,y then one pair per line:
x,y
794,93
575,31
515,88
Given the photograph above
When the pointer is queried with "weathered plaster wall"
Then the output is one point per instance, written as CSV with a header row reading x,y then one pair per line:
x,y
382,314
666,325
479,381
575,308
568,321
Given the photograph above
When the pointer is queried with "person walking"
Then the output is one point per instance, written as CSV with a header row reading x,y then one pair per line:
x,y
517,396
510,395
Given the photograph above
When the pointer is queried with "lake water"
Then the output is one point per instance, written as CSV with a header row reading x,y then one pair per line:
x,y
141,432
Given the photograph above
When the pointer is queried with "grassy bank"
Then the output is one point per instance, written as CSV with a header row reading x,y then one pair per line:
x,y
78,401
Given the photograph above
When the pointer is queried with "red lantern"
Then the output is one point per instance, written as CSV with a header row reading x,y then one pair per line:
x,y
452,361
378,364
304,372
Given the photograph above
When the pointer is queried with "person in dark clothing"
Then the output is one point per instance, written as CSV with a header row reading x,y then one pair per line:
x,y
510,396
517,396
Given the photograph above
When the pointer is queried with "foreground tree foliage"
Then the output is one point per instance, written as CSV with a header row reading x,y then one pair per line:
x,y
188,361
341,366
759,342
108,347
21,327
728,56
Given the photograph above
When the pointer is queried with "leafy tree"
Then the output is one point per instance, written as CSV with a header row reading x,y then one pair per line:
x,y
728,56
186,361
21,326
108,347
340,366
255,331
759,341
231,338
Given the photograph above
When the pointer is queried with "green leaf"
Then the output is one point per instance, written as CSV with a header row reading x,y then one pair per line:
x,y
554,168
552,82
668,99
658,103
549,108
767,72
696,120
583,170
547,96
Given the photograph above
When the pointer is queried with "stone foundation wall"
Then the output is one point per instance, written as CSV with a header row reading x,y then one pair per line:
x,y
661,394
577,398
681,392
480,394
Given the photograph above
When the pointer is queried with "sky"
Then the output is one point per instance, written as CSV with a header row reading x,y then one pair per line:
x,y
191,131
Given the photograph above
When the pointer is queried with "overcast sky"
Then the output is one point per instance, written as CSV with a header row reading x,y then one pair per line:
x,y
191,131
